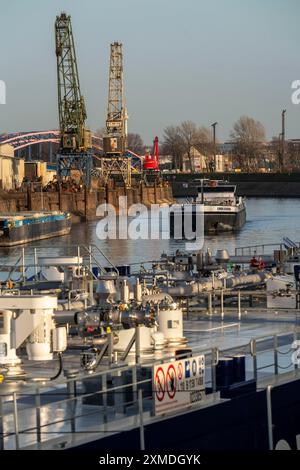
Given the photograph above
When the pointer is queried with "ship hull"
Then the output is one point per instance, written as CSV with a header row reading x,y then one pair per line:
x,y
32,232
214,221
237,424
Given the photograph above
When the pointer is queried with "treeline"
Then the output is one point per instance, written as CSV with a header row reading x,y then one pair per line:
x,y
247,146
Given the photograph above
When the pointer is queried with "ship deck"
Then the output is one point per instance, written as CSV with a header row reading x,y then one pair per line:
x,y
49,417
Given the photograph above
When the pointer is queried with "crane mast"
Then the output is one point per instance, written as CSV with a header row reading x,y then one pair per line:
x,y
116,112
115,160
75,143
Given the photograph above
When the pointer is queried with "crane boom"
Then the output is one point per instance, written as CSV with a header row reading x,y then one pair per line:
x,y
115,161
71,106
75,139
116,122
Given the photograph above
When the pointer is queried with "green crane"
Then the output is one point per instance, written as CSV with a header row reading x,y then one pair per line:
x,y
76,142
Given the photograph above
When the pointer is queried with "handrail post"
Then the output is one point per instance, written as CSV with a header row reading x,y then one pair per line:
x,y
134,383
295,339
110,350
253,354
38,415
104,395
78,257
239,305
142,433
23,265
209,303
270,420
35,263
16,421
90,258
214,362
222,303
138,344
71,391
275,345
1,425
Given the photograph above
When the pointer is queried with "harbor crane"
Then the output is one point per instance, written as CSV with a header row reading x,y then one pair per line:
x,y
115,161
151,165
151,161
75,142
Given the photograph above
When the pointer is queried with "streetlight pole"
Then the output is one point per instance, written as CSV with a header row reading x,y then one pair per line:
x,y
214,141
279,150
282,139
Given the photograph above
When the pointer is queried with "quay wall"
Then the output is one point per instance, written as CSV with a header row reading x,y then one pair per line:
x,y
83,204
248,184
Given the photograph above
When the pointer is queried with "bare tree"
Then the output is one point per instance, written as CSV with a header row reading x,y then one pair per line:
x,y
173,145
180,140
292,156
189,134
135,143
205,146
249,137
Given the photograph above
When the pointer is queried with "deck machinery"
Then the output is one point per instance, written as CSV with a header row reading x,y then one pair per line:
x,y
115,161
76,142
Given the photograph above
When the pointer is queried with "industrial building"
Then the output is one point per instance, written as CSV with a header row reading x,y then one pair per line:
x,y
11,168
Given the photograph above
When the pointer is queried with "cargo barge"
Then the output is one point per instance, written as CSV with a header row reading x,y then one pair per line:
x,y
24,227
223,210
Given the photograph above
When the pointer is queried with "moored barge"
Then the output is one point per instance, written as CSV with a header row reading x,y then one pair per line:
x,y
24,227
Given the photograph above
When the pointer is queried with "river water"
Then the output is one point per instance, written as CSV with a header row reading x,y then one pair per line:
x,y
268,221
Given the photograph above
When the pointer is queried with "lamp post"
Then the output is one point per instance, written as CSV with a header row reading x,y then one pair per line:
x,y
214,142
282,139
279,150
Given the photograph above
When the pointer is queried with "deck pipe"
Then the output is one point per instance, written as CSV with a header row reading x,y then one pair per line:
x,y
217,284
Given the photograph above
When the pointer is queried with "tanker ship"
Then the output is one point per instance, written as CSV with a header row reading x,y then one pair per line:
x,y
160,359
223,210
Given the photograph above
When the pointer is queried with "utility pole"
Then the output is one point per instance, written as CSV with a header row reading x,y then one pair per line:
x,y
214,142
282,139
279,150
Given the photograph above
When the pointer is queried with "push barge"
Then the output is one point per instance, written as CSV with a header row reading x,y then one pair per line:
x,y
25,227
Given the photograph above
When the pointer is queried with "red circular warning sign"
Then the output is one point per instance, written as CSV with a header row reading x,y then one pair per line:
x,y
171,381
179,371
160,384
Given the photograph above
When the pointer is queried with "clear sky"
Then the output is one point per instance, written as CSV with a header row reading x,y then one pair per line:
x,y
201,60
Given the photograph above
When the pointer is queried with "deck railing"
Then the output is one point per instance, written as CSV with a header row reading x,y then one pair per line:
x,y
263,249
83,406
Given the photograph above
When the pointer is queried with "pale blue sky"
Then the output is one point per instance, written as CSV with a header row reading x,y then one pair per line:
x,y
194,59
